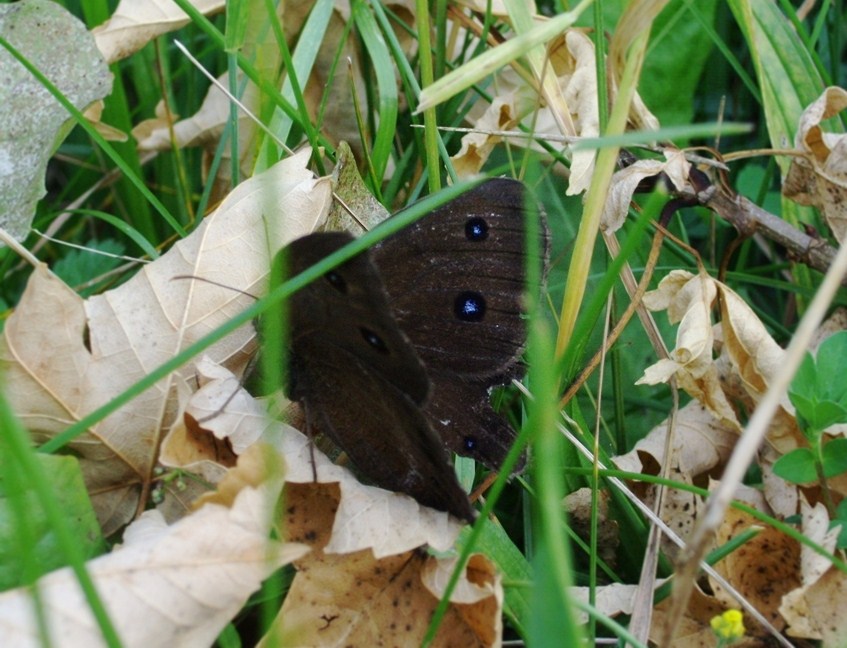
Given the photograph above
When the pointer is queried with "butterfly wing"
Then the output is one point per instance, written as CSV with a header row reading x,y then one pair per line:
x,y
348,307
361,381
456,285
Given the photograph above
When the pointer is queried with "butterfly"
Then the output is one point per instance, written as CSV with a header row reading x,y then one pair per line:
x,y
393,353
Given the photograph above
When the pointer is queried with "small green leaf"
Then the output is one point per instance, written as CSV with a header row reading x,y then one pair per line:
x,y
821,399
797,467
830,364
835,457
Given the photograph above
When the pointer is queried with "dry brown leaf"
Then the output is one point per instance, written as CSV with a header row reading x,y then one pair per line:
x,y
366,517
762,570
366,557
63,357
755,359
358,599
203,129
694,630
220,422
166,585
136,22
688,300
819,178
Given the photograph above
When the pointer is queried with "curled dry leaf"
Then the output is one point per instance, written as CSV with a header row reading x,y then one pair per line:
x,y
136,22
688,300
166,585
819,177
749,356
203,129
573,61
625,182
63,357
477,597
700,444
366,580
365,517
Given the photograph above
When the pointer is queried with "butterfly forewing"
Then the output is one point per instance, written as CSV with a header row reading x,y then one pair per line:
x,y
455,280
456,284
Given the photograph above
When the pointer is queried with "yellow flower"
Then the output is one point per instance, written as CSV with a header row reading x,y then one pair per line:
x,y
729,625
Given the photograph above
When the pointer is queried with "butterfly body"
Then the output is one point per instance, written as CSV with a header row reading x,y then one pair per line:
x,y
393,352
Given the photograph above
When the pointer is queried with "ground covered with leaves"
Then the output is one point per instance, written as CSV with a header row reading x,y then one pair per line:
x,y
683,411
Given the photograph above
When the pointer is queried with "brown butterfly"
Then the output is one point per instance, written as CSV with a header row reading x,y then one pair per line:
x,y
393,352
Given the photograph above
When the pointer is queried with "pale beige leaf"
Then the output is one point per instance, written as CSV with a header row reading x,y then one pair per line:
x,y
755,360
817,611
64,357
782,497
611,600
136,22
816,528
573,61
700,444
688,299
366,517
225,408
754,353
819,178
167,585
625,182
204,128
